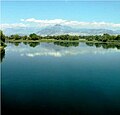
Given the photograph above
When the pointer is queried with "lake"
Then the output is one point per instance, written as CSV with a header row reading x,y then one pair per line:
x,y
61,79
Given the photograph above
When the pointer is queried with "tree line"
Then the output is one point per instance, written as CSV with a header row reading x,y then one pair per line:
x,y
103,38
2,39
2,45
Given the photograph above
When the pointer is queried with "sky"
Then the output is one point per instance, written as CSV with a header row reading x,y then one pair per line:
x,y
84,14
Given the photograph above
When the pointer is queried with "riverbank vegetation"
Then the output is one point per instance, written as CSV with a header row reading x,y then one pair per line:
x,y
63,40
2,39
91,38
2,45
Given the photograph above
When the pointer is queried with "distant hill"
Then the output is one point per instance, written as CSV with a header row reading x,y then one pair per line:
x,y
60,29
57,30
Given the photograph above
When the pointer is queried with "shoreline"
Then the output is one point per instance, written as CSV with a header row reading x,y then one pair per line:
x,y
2,48
53,40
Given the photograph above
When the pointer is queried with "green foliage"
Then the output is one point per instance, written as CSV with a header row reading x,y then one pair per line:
x,y
2,36
102,38
2,39
34,37
67,37
24,37
15,37
118,37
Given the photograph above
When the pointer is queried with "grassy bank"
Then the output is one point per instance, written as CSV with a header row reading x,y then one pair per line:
x,y
54,40
47,40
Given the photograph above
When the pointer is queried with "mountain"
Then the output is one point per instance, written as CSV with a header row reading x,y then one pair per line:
x,y
60,29
56,30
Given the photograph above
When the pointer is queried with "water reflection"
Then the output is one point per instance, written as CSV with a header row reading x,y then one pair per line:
x,y
104,45
67,44
59,49
32,44
2,54
80,81
75,44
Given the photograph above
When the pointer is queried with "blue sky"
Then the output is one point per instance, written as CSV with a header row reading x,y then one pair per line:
x,y
13,12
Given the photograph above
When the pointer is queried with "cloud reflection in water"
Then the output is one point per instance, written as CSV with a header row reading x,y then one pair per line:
x,y
49,49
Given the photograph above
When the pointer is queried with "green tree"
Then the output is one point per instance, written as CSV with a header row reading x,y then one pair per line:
x,y
106,37
24,37
2,36
2,39
34,36
118,37
15,37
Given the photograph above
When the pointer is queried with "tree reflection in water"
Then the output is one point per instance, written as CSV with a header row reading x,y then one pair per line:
x,y
2,55
67,44
104,45
74,43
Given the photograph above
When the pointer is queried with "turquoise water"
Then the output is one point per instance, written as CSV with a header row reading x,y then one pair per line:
x,y
55,79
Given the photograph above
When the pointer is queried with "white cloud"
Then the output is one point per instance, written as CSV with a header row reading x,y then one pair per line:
x,y
79,24
15,25
55,21
32,22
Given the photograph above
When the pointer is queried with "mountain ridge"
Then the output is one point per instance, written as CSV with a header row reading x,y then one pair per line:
x,y
59,29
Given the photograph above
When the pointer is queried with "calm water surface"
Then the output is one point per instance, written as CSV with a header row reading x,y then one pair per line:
x,y
50,79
